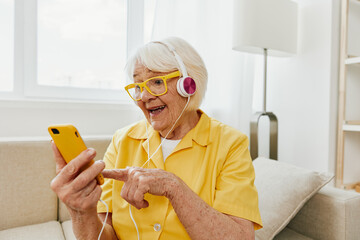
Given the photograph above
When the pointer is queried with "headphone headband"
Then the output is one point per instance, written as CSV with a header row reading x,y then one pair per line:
x,y
177,57
186,86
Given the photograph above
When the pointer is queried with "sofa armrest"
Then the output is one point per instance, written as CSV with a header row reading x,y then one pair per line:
x,y
331,214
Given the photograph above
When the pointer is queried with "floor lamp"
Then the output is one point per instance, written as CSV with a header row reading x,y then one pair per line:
x,y
267,27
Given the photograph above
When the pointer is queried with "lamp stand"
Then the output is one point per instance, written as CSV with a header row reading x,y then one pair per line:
x,y
254,124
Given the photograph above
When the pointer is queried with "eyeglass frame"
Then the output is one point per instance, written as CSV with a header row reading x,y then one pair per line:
x,y
143,84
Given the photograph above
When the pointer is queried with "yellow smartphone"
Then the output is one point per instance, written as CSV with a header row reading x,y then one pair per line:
x,y
70,144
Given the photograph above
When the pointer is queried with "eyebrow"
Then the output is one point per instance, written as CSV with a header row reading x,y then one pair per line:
x,y
136,74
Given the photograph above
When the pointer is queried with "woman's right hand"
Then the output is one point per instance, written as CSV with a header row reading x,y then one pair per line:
x,y
77,189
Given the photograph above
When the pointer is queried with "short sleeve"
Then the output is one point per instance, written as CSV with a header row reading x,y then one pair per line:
x,y
109,159
236,193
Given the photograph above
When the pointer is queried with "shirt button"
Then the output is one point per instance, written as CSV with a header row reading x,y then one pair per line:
x,y
157,227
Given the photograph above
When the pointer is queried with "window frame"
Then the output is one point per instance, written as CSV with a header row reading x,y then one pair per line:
x,y
25,84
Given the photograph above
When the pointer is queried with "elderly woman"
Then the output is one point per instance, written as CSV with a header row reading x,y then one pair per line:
x,y
179,174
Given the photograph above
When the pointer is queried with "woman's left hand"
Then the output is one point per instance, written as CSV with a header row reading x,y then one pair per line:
x,y
138,181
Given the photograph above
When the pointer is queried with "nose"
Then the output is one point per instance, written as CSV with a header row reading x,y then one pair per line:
x,y
146,96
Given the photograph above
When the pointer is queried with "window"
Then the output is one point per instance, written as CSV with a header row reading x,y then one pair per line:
x,y
81,43
6,45
68,49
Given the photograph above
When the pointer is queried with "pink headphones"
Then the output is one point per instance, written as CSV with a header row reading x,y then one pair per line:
x,y
186,86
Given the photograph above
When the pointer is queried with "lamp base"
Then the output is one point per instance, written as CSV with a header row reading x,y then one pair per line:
x,y
254,132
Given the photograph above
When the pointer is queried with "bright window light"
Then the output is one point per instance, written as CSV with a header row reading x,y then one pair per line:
x,y
6,45
149,15
81,43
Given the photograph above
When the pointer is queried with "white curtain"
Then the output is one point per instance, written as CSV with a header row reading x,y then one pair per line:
x,y
207,26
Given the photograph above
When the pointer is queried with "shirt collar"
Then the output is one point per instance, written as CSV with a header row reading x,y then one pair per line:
x,y
199,134
151,140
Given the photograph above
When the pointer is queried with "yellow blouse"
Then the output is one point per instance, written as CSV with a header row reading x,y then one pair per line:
x,y
212,159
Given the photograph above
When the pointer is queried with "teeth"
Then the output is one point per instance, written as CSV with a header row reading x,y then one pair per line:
x,y
158,108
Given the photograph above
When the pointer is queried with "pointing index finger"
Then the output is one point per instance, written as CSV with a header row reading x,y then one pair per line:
x,y
117,174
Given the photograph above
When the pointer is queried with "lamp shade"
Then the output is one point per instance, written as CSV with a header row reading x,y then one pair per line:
x,y
270,24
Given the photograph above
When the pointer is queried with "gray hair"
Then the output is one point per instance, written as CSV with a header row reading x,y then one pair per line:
x,y
158,58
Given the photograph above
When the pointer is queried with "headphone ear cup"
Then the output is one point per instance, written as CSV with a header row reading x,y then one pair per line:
x,y
186,86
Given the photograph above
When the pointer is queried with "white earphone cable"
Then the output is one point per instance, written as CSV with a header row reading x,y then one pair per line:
x,y
165,138
149,157
148,145
106,216
132,218
130,212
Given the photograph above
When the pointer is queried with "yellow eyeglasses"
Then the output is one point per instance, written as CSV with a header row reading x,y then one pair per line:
x,y
156,86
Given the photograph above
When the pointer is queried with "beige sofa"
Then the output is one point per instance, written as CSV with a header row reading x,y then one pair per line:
x,y
30,210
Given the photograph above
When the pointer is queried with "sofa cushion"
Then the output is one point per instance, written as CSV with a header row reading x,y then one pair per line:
x,y
27,168
287,234
283,189
332,214
44,231
68,232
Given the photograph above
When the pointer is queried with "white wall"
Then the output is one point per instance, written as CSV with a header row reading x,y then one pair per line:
x,y
302,89
29,119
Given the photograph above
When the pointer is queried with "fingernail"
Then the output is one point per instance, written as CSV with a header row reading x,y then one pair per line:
x,y
101,162
91,151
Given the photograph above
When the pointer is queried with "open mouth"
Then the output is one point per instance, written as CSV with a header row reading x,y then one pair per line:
x,y
156,110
